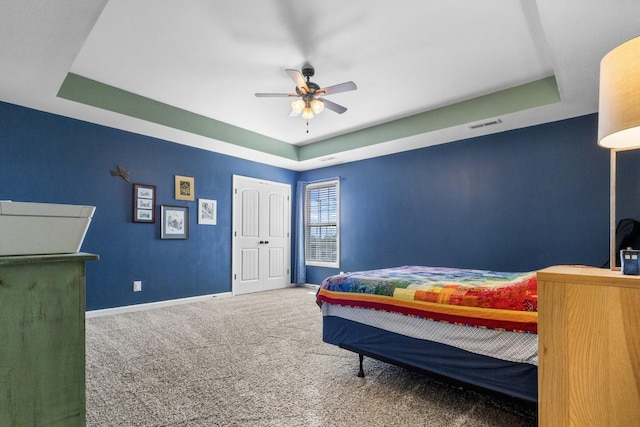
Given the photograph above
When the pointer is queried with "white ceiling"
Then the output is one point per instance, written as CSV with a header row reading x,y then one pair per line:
x,y
407,57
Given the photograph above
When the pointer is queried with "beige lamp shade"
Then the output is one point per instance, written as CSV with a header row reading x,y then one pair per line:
x,y
619,111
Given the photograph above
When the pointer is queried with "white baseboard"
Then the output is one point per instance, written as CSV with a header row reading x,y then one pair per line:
x,y
152,305
158,304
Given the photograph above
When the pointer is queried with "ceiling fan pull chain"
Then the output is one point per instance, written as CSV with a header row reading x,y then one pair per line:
x,y
307,126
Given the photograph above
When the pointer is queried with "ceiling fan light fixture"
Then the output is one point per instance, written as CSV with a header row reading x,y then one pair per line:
x,y
308,93
307,113
297,106
317,105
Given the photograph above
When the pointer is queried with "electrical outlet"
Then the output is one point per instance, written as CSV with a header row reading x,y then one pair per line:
x,y
137,285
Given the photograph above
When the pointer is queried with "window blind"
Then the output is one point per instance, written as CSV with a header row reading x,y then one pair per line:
x,y
321,224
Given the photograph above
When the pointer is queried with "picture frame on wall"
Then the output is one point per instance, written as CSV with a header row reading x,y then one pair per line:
x,y
144,203
185,188
207,212
175,222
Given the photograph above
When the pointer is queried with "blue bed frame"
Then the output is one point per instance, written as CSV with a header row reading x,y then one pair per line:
x,y
519,380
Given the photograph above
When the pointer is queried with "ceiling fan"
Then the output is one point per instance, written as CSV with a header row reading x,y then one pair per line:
x,y
310,93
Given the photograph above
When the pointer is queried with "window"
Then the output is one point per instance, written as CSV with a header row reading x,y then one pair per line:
x,y
322,224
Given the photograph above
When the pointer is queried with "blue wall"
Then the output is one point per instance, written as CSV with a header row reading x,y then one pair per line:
x,y
53,159
514,201
627,178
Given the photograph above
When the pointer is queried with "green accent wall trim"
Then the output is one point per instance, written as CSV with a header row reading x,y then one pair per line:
x,y
518,98
91,92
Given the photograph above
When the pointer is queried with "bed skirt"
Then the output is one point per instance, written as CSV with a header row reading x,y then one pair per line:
x,y
519,380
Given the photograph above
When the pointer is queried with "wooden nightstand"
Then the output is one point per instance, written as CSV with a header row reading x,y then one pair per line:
x,y
589,347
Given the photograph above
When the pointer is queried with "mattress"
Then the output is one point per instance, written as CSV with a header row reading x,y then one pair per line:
x,y
504,345
477,298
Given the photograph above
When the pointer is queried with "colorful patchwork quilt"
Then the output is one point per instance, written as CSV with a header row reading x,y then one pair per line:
x,y
485,299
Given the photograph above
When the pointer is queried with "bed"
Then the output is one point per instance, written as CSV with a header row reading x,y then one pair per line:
x,y
477,327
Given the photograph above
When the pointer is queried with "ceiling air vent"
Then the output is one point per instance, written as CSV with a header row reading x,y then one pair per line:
x,y
481,125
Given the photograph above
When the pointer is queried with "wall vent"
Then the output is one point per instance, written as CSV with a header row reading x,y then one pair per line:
x,y
481,125
326,159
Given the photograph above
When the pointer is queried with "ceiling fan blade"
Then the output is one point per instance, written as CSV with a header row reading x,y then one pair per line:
x,y
293,114
342,87
333,106
298,80
265,95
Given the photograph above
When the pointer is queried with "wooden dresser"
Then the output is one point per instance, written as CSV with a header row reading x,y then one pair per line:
x,y
589,347
42,340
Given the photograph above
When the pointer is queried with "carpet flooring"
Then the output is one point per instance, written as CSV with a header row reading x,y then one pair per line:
x,y
259,360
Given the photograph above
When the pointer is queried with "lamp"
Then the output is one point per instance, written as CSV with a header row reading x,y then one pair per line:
x,y
619,110
307,113
317,105
306,107
297,106
619,115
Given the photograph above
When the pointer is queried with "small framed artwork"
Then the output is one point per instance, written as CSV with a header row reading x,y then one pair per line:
x,y
175,222
207,211
144,203
184,188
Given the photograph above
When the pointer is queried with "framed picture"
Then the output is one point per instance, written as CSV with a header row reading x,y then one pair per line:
x,y
207,211
144,203
184,188
175,222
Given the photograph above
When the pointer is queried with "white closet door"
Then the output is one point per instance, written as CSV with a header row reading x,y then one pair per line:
x,y
261,235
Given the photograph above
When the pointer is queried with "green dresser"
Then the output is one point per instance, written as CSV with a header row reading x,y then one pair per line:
x,y
42,340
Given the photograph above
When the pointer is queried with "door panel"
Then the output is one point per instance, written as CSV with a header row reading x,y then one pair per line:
x,y
250,208
250,262
278,240
248,272
276,215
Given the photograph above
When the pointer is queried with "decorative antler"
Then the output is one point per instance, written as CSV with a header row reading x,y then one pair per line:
x,y
121,172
